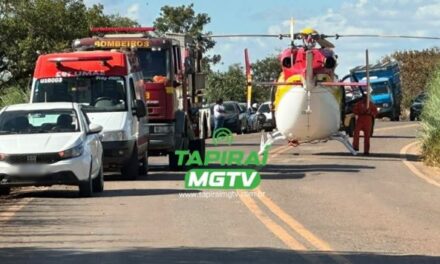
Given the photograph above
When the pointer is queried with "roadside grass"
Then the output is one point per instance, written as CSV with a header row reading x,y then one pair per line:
x,y
13,95
430,134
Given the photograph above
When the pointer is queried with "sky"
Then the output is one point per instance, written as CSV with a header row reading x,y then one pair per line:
x,y
392,17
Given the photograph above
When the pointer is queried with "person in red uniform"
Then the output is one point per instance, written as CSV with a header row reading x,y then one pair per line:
x,y
364,122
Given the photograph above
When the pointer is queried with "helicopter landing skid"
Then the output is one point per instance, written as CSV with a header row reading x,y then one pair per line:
x,y
271,138
344,140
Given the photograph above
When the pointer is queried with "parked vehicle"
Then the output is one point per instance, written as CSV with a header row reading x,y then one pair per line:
x,y
110,86
232,117
50,143
244,117
265,109
417,106
386,89
254,121
173,85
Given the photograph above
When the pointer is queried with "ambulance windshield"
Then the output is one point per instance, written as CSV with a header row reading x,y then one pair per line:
x,y
154,62
97,93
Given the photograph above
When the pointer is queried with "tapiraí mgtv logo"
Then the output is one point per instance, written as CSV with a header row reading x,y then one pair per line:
x,y
233,168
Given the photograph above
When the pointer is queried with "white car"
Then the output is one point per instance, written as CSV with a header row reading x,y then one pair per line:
x,y
45,144
264,109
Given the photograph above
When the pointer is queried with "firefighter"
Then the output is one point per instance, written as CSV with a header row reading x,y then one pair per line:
x,y
364,122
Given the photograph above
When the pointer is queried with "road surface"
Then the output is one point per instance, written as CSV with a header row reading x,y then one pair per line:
x,y
315,204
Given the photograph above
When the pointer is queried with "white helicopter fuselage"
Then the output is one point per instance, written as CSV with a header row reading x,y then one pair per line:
x,y
303,118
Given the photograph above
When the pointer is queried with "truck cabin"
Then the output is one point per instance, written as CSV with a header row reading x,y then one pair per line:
x,y
381,92
98,80
160,61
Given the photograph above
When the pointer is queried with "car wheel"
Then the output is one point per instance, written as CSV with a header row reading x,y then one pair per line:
x,y
131,170
412,117
5,190
98,182
86,187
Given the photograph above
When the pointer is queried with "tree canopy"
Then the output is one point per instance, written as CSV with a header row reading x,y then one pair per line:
x,y
30,28
183,19
416,69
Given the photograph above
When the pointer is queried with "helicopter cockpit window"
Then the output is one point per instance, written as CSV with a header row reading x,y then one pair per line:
x,y
154,62
287,62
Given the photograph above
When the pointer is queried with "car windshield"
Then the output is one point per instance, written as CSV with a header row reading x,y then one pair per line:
x,y
379,88
242,107
154,62
421,98
264,108
98,94
38,121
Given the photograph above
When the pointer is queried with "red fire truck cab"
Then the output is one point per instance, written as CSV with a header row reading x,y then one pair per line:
x,y
171,87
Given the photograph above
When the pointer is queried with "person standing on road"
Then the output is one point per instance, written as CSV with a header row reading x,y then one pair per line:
x,y
365,115
219,114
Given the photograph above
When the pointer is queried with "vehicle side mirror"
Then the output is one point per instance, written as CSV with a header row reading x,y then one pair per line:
x,y
94,129
140,109
189,66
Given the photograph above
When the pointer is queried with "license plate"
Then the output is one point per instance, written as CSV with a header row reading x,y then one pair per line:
x,y
31,159
31,170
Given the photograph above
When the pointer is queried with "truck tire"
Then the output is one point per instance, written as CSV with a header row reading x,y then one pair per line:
x,y
131,170
98,182
198,145
395,116
173,162
5,190
143,165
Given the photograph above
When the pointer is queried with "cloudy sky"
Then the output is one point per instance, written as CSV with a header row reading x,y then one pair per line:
x,y
395,17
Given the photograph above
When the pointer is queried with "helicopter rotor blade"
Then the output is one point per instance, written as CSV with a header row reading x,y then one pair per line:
x,y
246,36
337,36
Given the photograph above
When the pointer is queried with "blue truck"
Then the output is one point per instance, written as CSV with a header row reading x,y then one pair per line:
x,y
386,91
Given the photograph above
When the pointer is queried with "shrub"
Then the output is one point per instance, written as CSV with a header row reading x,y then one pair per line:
x,y
13,95
431,123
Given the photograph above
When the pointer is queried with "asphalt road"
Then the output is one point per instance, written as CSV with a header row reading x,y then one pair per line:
x,y
316,204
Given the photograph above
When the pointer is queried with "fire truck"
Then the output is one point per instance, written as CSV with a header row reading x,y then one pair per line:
x,y
173,85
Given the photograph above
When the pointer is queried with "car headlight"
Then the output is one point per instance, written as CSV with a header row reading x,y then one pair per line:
x,y
385,105
163,129
119,135
72,153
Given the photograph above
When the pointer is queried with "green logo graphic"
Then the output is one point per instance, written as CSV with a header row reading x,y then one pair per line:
x,y
222,136
229,177
222,179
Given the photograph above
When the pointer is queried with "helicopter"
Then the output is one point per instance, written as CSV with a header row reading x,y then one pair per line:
x,y
308,100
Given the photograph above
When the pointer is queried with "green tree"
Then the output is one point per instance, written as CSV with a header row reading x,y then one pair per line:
x,y
183,19
416,69
265,70
430,135
30,28
229,85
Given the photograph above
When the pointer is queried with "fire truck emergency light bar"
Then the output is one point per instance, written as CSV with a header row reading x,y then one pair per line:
x,y
121,29
59,60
